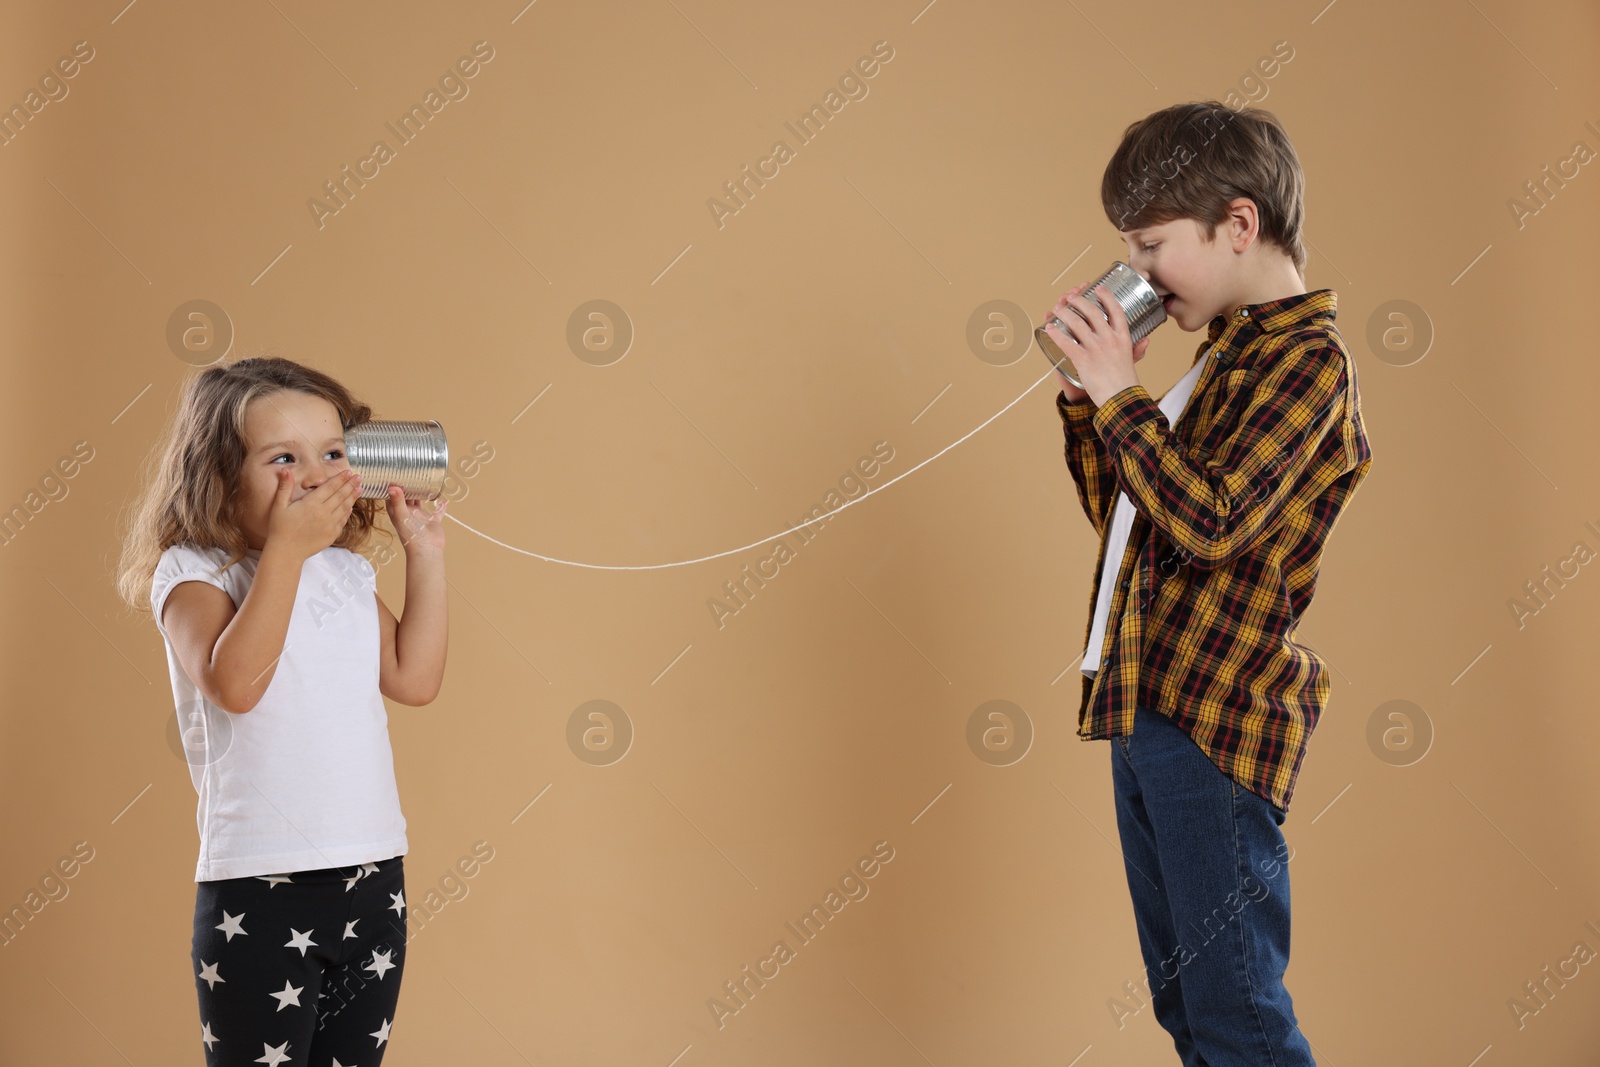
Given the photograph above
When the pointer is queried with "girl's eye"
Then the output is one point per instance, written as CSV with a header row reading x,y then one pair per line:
x,y
334,452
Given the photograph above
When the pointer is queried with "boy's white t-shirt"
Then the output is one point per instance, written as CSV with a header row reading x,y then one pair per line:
x,y
1172,406
305,779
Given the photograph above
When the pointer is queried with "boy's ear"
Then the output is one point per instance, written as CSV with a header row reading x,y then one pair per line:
x,y
1243,222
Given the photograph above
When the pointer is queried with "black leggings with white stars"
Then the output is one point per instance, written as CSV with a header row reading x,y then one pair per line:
x,y
300,969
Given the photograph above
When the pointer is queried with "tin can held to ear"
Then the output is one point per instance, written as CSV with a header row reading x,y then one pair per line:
x,y
1140,305
412,455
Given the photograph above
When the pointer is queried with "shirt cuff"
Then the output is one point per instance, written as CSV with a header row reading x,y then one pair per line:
x,y
1122,415
1076,415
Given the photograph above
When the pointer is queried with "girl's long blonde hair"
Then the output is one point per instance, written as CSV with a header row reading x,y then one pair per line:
x,y
191,478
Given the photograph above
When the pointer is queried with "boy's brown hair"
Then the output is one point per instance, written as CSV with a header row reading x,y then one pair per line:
x,y
1189,160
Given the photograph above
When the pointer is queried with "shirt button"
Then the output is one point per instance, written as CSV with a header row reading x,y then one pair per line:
x,y
1244,313
1125,583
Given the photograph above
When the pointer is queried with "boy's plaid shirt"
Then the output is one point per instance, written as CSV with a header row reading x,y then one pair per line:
x,y
1233,511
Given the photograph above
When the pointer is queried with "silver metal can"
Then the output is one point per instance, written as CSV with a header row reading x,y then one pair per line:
x,y
412,455
1140,305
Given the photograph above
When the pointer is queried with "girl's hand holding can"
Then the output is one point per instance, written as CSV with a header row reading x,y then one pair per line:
x,y
419,529
306,526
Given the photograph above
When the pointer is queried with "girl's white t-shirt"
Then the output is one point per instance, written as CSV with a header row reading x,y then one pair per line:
x,y
305,779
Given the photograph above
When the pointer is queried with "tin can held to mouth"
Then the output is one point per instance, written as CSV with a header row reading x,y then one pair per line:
x,y
412,455
1140,305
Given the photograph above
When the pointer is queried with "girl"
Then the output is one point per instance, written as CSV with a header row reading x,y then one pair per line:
x,y
280,651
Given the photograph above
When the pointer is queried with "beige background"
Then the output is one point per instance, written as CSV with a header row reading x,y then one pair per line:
x,y
769,355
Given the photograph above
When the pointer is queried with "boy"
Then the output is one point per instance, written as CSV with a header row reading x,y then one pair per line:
x,y
1209,553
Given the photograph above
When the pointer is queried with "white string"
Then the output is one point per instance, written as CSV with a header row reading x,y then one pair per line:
x,y
764,540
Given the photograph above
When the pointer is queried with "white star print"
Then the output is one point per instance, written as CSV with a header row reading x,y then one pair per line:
x,y
336,1063
208,972
207,1036
290,995
361,872
273,1056
273,881
350,929
299,941
380,963
382,1032
399,905
230,924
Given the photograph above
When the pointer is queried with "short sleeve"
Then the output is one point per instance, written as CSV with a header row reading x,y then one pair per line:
x,y
183,563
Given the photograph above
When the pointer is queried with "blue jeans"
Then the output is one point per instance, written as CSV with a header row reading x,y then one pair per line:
x,y
1208,872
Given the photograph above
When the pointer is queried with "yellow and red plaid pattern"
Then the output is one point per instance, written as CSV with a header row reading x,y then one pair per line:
x,y
1233,512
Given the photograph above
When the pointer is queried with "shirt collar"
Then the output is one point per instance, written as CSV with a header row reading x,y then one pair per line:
x,y
1271,316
